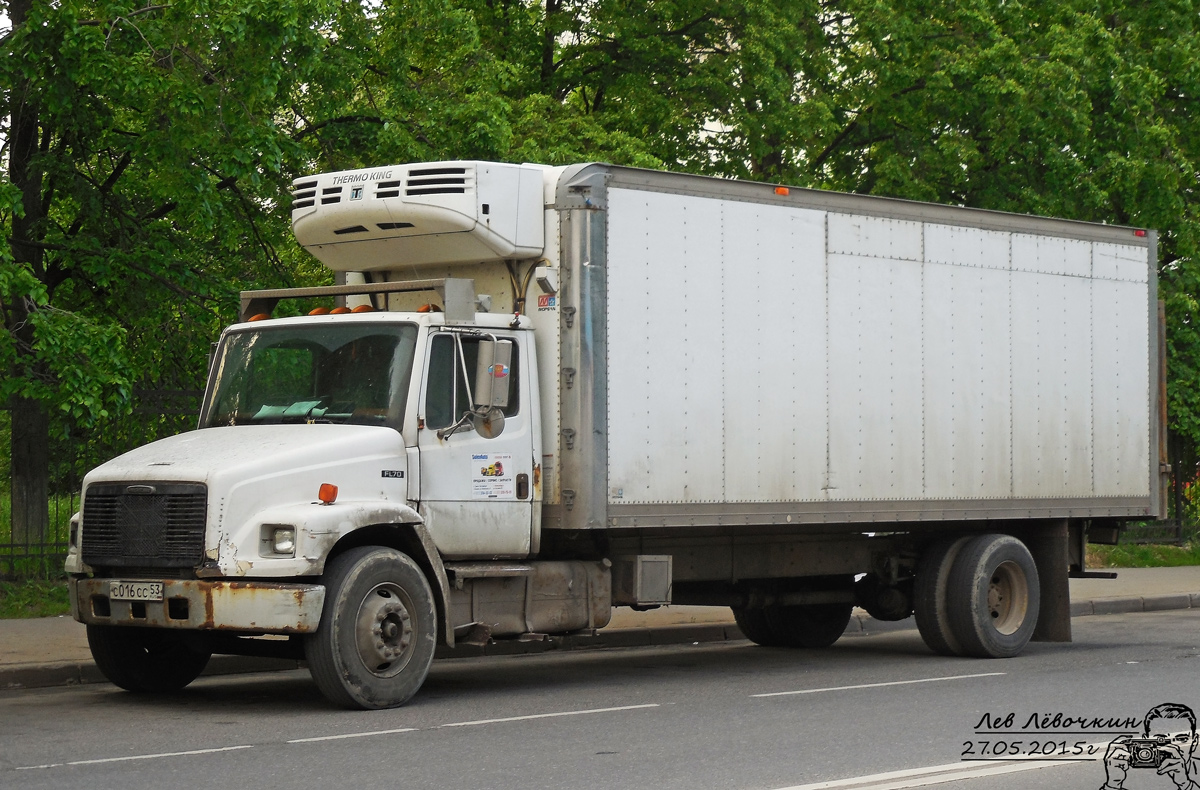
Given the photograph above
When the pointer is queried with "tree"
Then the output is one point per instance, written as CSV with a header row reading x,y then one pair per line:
x,y
150,147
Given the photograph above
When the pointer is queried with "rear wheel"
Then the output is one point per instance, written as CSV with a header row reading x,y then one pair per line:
x,y
929,595
146,659
997,596
378,630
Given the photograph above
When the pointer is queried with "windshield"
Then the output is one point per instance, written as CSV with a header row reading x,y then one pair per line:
x,y
354,373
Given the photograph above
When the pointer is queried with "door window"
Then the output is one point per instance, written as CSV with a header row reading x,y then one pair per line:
x,y
446,398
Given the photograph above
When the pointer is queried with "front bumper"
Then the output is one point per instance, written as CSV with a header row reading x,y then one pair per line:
x,y
263,607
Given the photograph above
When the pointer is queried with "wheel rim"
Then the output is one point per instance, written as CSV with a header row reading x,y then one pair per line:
x,y
386,630
1008,598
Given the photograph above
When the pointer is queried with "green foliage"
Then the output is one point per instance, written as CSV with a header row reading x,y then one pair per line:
x,y
33,598
165,138
1144,556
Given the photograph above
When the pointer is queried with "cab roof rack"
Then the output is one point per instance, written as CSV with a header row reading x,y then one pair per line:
x,y
458,295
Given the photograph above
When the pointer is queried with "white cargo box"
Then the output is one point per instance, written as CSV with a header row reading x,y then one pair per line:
x,y
747,355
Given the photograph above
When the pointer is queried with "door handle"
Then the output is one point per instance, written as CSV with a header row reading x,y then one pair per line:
x,y
522,486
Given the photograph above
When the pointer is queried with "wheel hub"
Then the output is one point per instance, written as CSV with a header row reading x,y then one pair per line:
x,y
1007,597
385,630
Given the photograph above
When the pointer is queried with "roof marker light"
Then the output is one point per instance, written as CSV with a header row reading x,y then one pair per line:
x,y
319,311
327,493
259,317
363,308
1139,233
782,191
339,311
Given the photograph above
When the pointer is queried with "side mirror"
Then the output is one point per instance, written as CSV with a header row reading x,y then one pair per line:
x,y
492,371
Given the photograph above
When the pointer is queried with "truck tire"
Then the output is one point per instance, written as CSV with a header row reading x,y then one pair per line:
x,y
997,596
378,630
754,625
149,660
929,595
812,626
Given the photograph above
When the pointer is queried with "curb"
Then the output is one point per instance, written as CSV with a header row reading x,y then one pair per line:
x,y
73,673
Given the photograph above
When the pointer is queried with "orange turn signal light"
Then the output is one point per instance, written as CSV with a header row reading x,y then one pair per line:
x,y
327,494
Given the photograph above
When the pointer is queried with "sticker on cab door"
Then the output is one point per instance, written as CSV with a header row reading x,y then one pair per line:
x,y
492,476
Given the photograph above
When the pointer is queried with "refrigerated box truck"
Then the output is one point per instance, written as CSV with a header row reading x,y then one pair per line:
x,y
541,392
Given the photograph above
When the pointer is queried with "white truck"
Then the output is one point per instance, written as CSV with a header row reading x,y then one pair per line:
x,y
542,392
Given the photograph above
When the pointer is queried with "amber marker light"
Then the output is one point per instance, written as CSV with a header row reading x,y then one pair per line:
x,y
327,494
363,308
782,191
259,317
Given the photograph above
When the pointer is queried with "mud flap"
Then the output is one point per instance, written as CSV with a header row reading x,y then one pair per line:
x,y
1050,547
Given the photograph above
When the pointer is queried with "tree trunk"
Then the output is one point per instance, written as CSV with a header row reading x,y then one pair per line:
x,y
30,422
30,471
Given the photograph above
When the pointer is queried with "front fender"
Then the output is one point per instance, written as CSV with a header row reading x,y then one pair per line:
x,y
318,528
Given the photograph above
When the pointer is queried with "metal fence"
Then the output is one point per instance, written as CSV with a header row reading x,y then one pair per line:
x,y
1172,532
156,413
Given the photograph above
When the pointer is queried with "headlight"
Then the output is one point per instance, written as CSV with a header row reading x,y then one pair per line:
x,y
283,540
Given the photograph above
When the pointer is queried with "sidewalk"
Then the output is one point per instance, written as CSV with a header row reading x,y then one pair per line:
x,y
53,651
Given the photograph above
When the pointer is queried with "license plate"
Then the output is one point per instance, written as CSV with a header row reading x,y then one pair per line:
x,y
135,591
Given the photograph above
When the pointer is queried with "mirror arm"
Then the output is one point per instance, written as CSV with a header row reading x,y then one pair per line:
x,y
446,433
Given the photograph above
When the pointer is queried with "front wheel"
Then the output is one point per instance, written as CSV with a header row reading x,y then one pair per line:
x,y
811,626
146,659
378,630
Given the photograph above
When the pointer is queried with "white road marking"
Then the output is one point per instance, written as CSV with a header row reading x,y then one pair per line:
x,y
352,735
343,736
548,715
939,774
134,757
878,685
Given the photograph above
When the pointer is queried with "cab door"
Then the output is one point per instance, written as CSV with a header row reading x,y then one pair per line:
x,y
475,492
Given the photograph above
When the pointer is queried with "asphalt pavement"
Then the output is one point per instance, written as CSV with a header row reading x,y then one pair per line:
x,y
870,713
53,651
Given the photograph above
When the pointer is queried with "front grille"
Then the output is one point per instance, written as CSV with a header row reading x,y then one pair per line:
x,y
147,525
